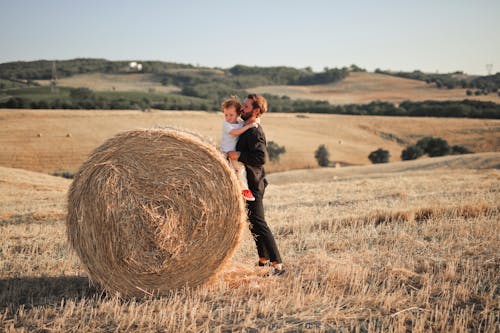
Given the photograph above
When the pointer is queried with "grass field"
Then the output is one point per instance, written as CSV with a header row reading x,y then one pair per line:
x,y
370,248
114,82
365,87
60,140
358,87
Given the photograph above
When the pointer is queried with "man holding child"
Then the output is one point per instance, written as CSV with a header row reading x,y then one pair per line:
x,y
251,151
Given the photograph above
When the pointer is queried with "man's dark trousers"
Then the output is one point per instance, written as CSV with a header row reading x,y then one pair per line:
x,y
264,239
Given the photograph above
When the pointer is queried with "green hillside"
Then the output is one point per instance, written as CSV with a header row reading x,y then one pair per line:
x,y
105,84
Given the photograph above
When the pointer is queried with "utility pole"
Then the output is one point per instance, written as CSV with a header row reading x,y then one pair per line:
x,y
53,82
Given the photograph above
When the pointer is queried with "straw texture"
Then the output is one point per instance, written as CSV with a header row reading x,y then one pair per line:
x,y
154,210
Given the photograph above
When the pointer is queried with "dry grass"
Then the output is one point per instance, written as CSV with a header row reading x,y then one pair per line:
x,y
27,193
350,139
148,206
114,82
384,252
368,87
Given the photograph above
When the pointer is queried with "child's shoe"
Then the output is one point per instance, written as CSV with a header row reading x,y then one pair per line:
x,y
263,264
247,194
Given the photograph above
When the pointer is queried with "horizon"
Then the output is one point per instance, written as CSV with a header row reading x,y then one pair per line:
x,y
224,68
442,37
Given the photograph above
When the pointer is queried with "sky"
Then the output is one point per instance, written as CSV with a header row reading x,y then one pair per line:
x,y
438,35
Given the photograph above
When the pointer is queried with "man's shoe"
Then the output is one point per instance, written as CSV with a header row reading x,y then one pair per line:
x,y
278,272
247,194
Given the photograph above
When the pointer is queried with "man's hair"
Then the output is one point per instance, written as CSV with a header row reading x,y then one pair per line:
x,y
258,101
232,101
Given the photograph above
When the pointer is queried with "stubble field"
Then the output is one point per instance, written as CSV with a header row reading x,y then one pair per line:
x,y
368,87
369,249
60,140
404,246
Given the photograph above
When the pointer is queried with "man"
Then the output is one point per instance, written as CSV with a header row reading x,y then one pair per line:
x,y
251,151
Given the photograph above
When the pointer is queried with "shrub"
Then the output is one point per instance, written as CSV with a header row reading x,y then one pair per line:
x,y
411,153
322,156
458,150
438,147
434,146
424,143
274,151
81,94
379,156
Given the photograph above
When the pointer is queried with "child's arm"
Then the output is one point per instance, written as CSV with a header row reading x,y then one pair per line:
x,y
239,131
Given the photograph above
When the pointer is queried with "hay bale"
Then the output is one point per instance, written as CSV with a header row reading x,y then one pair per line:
x,y
154,210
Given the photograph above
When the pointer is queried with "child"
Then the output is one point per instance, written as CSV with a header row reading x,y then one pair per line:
x,y
231,129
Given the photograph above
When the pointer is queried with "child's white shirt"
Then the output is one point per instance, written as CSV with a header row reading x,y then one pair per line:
x,y
228,142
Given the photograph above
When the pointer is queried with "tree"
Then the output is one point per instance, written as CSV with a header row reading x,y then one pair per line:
x,y
438,147
274,151
411,153
322,156
379,156
434,146
423,143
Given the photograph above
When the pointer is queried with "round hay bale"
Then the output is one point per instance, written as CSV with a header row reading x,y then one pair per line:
x,y
154,210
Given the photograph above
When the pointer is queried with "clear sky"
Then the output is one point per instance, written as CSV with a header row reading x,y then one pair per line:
x,y
443,35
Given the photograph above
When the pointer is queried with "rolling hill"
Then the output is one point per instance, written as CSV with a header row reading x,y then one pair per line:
x,y
364,87
479,161
60,140
357,88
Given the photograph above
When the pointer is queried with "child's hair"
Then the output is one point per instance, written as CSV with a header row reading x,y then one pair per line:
x,y
232,101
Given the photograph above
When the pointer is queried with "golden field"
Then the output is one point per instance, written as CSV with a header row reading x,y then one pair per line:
x,y
60,140
363,87
113,82
399,247
411,246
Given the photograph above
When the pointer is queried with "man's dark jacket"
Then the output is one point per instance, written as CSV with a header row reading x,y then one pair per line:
x,y
253,153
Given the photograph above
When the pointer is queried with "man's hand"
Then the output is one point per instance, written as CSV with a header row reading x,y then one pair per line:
x,y
233,155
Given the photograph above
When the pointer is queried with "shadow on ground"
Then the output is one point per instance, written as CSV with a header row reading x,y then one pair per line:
x,y
34,291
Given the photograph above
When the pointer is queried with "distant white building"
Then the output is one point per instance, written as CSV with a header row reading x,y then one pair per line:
x,y
136,66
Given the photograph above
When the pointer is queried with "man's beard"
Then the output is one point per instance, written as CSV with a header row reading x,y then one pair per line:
x,y
245,115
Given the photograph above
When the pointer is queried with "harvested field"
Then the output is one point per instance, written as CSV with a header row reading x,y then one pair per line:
x,y
368,87
373,249
38,140
114,82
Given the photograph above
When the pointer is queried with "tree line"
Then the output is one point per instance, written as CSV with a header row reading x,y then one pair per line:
x,y
83,98
484,84
182,75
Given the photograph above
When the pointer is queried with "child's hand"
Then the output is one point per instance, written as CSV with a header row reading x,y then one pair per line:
x,y
254,125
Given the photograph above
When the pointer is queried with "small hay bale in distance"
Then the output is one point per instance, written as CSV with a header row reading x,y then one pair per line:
x,y
154,210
